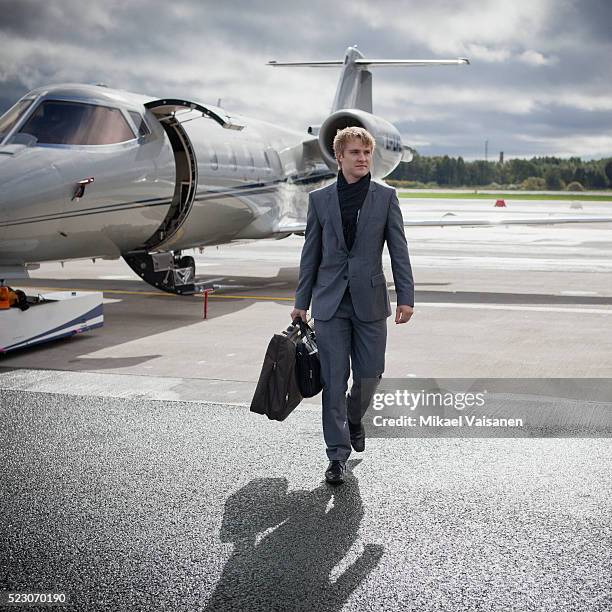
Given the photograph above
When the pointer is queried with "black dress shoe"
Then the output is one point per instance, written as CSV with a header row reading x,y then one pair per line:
x,y
335,472
357,437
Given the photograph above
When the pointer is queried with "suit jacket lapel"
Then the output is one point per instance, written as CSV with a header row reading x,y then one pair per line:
x,y
366,211
334,214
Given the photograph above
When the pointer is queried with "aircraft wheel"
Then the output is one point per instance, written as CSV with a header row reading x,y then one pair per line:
x,y
187,262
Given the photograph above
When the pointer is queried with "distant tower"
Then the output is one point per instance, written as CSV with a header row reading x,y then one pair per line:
x,y
486,150
501,157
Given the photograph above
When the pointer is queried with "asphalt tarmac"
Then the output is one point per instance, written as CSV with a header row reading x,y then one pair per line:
x,y
133,476
152,505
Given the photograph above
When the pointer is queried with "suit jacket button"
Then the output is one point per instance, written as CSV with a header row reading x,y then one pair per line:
x,y
345,277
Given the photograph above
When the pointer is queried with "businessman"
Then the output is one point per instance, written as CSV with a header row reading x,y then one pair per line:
x,y
341,271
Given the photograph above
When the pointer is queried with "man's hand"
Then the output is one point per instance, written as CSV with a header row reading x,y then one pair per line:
x,y
297,313
403,314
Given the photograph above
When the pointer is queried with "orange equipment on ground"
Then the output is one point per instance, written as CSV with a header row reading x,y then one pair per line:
x,y
4,296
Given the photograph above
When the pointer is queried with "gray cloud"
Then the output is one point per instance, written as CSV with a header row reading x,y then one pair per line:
x,y
540,80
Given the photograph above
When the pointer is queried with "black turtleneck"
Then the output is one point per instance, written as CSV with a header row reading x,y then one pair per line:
x,y
351,197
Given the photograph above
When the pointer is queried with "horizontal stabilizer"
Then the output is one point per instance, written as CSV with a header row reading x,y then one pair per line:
x,y
374,62
355,85
323,64
392,62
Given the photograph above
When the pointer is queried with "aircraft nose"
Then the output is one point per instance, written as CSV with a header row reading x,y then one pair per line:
x,y
31,192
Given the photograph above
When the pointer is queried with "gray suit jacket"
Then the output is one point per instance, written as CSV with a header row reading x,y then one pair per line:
x,y
327,266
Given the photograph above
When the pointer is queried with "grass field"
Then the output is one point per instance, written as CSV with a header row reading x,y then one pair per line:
x,y
453,195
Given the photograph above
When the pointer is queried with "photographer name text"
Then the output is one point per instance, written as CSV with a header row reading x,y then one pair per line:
x,y
437,421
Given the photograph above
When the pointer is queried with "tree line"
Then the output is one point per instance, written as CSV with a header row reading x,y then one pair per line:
x,y
537,173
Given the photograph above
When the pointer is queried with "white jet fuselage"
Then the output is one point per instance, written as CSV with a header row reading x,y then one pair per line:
x,y
185,184
88,171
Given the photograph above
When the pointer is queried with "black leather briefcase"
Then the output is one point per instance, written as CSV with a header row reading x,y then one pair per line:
x,y
277,392
307,364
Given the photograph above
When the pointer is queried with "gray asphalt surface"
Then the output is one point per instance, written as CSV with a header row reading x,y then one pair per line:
x,y
134,504
133,477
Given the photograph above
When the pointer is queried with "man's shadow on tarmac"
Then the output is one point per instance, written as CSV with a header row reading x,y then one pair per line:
x,y
286,544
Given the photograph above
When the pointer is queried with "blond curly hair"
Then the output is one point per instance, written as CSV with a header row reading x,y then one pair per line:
x,y
343,136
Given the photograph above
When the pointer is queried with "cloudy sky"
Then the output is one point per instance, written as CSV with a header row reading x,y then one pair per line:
x,y
539,83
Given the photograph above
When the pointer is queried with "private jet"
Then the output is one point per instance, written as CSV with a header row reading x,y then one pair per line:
x,y
87,171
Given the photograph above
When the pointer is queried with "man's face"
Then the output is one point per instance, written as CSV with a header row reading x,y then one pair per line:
x,y
356,160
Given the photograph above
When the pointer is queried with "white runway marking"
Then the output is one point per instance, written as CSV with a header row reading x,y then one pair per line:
x,y
606,311
530,264
119,277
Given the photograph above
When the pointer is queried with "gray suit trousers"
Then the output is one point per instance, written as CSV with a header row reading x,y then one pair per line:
x,y
342,337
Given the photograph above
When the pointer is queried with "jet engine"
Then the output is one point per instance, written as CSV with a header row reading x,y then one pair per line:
x,y
388,151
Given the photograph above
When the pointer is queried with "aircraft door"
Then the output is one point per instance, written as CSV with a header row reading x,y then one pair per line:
x,y
186,178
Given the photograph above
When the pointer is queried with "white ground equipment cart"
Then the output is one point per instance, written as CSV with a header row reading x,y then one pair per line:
x,y
50,316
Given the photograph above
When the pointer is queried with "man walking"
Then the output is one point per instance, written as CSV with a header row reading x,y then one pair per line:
x,y
341,272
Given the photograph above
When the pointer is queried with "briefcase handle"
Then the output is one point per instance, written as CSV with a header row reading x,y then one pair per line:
x,y
299,326
303,326
306,335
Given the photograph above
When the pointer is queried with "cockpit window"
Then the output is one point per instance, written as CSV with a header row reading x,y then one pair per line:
x,y
12,116
74,123
139,122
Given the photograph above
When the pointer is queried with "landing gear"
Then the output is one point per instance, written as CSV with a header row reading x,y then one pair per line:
x,y
187,262
167,271
185,270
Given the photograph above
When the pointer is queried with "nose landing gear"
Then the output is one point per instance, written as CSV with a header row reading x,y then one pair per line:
x,y
169,272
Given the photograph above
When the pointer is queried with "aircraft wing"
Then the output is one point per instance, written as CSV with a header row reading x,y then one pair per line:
x,y
290,228
311,151
451,220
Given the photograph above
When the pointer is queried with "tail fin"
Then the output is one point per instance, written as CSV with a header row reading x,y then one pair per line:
x,y
355,85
